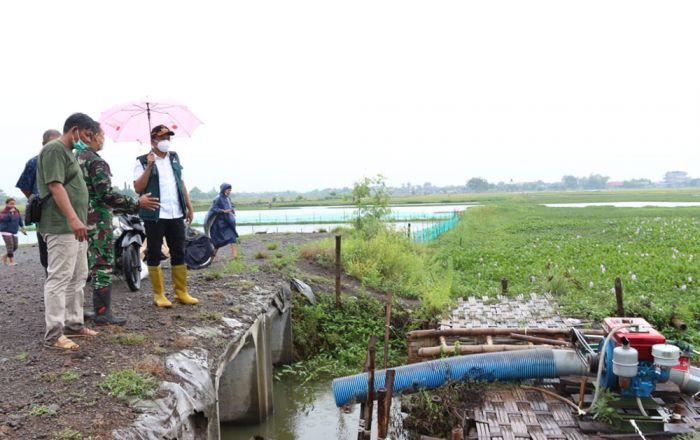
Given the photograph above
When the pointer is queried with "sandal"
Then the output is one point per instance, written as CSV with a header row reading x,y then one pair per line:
x,y
83,332
62,343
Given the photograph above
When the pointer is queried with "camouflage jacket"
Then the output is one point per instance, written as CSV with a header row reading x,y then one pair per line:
x,y
103,199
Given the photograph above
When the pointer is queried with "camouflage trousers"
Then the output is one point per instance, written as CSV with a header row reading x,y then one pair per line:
x,y
101,254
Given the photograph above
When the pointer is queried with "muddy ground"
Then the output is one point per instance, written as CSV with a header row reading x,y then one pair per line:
x,y
44,393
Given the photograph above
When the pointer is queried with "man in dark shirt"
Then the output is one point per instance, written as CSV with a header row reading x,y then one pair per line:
x,y
27,184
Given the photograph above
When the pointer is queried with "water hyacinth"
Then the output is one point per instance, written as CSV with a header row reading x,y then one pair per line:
x,y
590,284
690,279
684,287
602,268
633,277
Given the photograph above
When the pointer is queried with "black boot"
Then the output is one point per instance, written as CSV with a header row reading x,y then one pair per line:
x,y
102,300
87,315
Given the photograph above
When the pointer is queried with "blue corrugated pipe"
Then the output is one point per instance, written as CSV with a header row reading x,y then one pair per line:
x,y
514,365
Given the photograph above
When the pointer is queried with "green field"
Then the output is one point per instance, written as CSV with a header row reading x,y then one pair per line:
x,y
573,253
657,195
576,253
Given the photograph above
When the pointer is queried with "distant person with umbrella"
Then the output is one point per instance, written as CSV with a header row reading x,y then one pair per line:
x,y
222,216
27,184
160,173
103,200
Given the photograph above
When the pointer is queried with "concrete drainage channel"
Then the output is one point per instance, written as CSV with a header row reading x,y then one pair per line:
x,y
235,388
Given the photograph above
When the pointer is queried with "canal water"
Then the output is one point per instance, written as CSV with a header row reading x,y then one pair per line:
x,y
301,412
306,412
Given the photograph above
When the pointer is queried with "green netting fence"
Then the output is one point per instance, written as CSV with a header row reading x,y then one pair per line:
x,y
434,231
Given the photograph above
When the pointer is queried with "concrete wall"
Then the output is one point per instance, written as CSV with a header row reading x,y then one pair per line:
x,y
244,377
235,387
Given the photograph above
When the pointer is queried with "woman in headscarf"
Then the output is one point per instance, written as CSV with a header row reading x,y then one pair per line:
x,y
222,220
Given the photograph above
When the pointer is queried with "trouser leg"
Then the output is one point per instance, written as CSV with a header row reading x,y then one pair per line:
x,y
62,252
101,255
75,290
9,247
175,237
154,241
43,252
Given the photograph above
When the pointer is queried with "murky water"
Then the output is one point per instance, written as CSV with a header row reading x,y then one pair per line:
x,y
625,204
300,415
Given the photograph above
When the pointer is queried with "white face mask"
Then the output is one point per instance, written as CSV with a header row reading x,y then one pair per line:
x,y
164,145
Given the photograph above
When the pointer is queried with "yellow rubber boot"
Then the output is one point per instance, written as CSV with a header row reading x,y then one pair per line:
x,y
156,277
180,285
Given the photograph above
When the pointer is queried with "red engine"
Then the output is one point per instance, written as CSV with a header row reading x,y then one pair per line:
x,y
642,335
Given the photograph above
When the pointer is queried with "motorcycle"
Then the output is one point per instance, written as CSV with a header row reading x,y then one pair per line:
x,y
129,234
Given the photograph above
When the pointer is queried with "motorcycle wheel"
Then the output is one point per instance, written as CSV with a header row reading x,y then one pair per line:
x,y
131,267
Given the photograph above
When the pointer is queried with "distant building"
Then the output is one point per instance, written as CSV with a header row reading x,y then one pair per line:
x,y
615,184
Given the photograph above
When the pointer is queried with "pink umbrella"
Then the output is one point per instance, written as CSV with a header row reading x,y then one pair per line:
x,y
133,121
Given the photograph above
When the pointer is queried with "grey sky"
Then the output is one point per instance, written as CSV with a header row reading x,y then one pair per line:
x,y
301,95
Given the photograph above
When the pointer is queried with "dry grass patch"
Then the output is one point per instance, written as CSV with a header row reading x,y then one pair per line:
x,y
182,341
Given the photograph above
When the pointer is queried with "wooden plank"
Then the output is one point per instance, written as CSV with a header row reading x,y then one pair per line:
x,y
518,425
483,431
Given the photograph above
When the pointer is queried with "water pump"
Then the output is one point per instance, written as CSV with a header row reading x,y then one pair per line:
x,y
636,357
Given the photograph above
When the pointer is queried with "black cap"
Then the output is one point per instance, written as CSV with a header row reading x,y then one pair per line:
x,y
161,130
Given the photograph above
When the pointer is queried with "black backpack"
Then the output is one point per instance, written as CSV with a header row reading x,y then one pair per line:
x,y
199,250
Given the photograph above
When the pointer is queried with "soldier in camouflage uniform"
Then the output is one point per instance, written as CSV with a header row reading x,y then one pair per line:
x,y
103,199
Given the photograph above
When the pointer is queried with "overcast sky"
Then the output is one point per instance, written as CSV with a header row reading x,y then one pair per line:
x,y
297,95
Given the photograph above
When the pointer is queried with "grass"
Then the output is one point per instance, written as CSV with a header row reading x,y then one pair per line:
x,y
209,315
129,339
65,376
68,434
38,410
330,343
272,246
129,383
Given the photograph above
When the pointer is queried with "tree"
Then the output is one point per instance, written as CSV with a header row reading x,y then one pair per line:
x,y
569,182
594,181
478,184
197,194
371,197
128,191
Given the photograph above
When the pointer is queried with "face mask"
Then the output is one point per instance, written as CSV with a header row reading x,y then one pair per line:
x,y
164,145
80,145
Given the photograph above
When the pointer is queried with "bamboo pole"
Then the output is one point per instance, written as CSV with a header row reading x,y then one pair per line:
x,y
618,297
384,407
540,340
471,349
338,239
367,407
387,329
416,334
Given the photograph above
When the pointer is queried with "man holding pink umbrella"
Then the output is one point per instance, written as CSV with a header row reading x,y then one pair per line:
x,y
160,173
